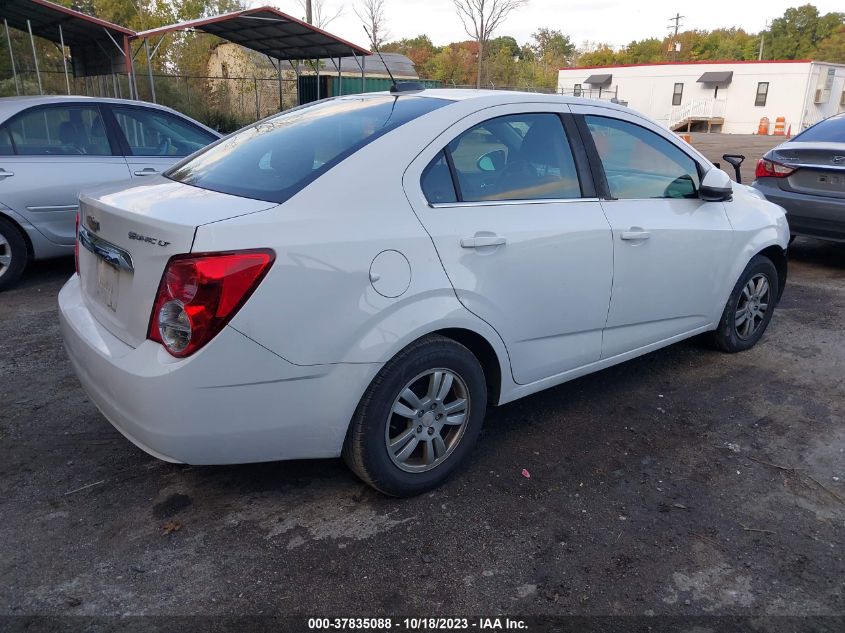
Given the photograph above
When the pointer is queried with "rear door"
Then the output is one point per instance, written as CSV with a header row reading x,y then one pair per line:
x,y
51,153
154,140
671,249
520,232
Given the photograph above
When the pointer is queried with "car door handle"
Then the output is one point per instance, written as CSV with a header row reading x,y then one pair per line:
x,y
147,171
479,241
635,235
6,174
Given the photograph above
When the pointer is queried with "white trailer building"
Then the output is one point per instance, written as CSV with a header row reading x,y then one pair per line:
x,y
730,97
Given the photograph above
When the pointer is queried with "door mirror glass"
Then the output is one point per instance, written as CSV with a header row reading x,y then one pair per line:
x,y
716,186
492,161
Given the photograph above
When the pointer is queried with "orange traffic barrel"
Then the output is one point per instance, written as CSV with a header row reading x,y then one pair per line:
x,y
780,126
686,137
763,127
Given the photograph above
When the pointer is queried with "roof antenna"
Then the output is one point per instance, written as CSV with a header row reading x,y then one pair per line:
x,y
405,86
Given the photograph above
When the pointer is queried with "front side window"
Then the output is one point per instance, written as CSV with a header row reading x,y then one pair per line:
x,y
275,158
515,157
762,93
639,163
151,133
677,94
60,131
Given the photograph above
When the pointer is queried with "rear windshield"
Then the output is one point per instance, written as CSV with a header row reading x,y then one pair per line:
x,y
277,157
830,130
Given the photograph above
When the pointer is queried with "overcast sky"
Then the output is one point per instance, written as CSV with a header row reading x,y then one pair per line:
x,y
614,21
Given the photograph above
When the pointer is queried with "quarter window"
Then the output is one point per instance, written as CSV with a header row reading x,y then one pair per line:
x,y
677,94
151,133
62,131
639,163
437,182
762,93
516,157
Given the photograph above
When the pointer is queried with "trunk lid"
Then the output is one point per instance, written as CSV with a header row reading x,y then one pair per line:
x,y
820,168
127,236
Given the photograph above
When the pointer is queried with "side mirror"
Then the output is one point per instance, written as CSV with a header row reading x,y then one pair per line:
x,y
716,186
492,161
736,161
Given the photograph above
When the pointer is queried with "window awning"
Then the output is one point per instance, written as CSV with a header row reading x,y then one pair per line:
x,y
719,77
599,80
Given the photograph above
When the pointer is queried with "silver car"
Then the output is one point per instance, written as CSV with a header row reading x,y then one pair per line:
x,y
806,176
53,147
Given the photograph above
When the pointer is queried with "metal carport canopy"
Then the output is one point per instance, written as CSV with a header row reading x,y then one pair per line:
x,y
97,47
270,32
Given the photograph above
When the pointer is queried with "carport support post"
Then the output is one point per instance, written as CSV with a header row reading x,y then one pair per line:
x,y
11,57
64,59
150,69
363,73
318,79
339,78
34,57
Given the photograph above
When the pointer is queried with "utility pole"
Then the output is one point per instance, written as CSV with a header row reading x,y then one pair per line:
x,y
677,20
309,14
763,37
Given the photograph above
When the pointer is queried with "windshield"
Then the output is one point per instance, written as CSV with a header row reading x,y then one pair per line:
x,y
275,158
830,130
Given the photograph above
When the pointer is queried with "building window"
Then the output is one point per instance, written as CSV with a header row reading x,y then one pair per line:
x,y
224,68
677,94
577,91
762,93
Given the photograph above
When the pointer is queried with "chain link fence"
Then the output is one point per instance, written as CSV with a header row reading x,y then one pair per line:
x,y
222,103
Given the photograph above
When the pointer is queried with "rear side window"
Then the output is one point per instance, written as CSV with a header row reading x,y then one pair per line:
x,y
514,157
641,164
830,130
151,133
63,131
275,158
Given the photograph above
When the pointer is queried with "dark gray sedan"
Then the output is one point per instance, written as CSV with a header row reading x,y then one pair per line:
x,y
806,176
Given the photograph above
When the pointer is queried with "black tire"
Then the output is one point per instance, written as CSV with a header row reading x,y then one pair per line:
x,y
727,337
365,449
12,244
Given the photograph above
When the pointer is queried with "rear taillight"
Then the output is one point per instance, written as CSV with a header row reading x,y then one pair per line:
x,y
76,245
771,169
198,294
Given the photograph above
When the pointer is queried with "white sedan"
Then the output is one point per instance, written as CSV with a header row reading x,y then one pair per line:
x,y
363,276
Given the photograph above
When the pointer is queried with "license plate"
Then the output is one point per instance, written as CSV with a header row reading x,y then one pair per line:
x,y
107,283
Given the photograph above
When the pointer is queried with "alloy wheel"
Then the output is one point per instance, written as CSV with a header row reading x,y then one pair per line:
x,y
5,255
427,420
752,306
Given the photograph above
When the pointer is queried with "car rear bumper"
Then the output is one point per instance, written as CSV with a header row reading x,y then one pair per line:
x,y
232,402
815,216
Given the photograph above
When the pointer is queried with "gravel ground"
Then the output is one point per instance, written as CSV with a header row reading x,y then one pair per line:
x,y
687,482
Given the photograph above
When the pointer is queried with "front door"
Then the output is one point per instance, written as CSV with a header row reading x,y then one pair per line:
x,y
49,155
671,249
522,238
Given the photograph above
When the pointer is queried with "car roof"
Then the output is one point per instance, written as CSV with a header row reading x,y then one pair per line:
x,y
10,106
503,97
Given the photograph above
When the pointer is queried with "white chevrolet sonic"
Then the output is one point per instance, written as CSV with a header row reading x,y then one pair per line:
x,y
364,275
